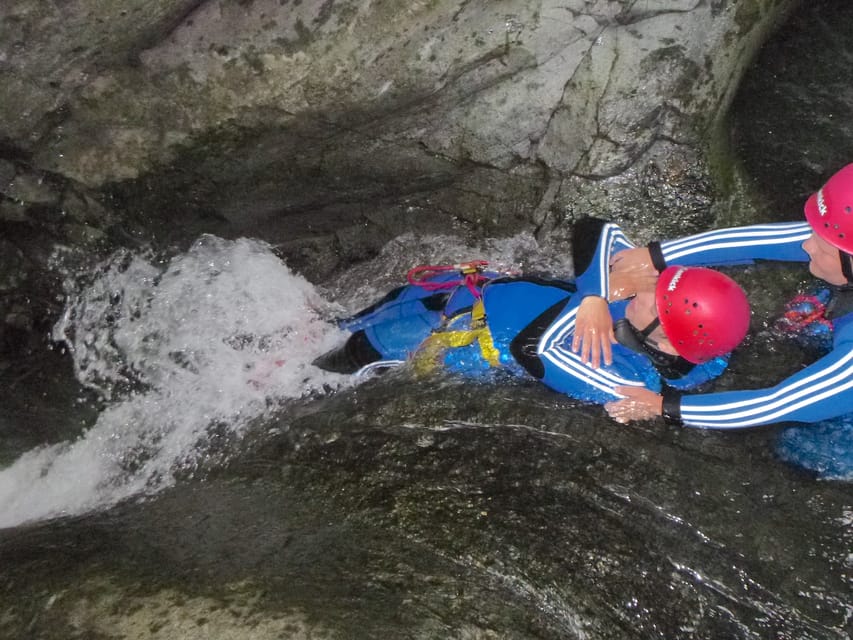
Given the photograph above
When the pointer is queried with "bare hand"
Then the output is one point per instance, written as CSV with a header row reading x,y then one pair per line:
x,y
594,331
631,271
638,404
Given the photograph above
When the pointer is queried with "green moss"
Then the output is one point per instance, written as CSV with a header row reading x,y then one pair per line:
x,y
747,15
735,201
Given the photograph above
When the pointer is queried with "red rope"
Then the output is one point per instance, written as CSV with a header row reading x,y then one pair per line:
x,y
469,274
802,311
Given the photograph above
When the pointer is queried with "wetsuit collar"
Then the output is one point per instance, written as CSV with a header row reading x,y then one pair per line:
x,y
668,365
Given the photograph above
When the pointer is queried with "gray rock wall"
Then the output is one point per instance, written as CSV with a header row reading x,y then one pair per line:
x,y
111,91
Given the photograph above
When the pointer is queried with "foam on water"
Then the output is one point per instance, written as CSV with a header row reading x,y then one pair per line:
x,y
825,448
212,339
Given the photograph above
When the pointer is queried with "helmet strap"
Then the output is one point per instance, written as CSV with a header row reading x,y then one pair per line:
x,y
654,324
846,266
668,365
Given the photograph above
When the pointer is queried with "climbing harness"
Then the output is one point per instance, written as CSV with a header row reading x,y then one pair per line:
x,y
802,311
426,359
805,318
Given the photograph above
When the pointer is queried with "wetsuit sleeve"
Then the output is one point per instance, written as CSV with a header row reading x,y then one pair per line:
x,y
564,371
595,279
818,392
700,374
391,328
740,245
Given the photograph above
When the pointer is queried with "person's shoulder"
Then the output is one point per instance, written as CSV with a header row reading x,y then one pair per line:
x,y
843,328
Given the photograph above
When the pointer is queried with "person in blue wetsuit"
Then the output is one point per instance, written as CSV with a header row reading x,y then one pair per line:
x,y
678,335
820,391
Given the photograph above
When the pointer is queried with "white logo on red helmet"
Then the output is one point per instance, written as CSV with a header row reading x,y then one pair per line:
x,y
674,282
821,203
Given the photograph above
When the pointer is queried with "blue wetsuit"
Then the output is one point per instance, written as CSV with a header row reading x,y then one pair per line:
x,y
531,325
820,391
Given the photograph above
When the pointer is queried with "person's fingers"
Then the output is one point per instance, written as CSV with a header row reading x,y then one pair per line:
x,y
593,329
638,403
624,411
616,410
595,352
588,346
579,341
593,349
607,348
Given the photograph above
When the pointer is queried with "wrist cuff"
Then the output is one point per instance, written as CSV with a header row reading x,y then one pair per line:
x,y
671,408
656,254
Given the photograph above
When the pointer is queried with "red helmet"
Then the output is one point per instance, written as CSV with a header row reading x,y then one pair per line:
x,y
703,312
829,212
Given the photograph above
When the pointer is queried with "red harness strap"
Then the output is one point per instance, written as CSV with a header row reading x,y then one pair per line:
x,y
470,274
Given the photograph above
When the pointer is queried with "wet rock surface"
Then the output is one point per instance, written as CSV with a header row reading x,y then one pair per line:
x,y
527,517
803,71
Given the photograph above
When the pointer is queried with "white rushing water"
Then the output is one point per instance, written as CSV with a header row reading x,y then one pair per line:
x,y
213,340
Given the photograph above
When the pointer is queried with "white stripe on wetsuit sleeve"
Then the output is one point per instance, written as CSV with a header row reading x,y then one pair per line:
x,y
613,236
551,347
602,379
778,229
772,407
555,333
782,233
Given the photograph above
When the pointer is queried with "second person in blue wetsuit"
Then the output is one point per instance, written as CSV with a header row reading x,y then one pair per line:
x,y
678,335
820,391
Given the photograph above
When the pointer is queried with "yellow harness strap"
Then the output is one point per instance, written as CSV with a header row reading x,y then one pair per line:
x,y
426,358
